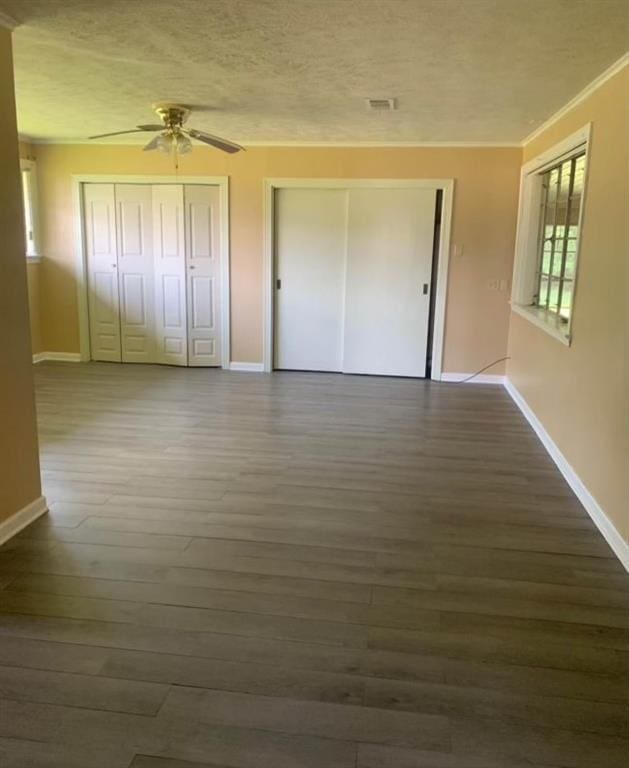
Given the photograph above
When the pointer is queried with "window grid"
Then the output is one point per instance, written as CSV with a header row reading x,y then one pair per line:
x,y
562,187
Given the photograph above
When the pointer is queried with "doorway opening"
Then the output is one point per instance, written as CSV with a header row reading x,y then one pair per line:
x,y
434,278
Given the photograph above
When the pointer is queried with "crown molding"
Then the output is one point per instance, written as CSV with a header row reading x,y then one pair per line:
x,y
312,144
8,22
384,144
589,89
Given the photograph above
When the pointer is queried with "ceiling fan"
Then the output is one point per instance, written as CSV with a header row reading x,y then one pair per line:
x,y
172,136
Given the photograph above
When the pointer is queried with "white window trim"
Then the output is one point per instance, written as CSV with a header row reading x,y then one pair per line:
x,y
31,167
526,243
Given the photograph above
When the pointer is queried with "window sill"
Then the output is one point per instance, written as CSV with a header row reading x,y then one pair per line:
x,y
33,258
544,320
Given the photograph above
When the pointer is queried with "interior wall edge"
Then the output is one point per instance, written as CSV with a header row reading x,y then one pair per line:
x,y
610,533
19,456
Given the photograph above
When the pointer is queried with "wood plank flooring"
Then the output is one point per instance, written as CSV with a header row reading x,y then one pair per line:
x,y
304,571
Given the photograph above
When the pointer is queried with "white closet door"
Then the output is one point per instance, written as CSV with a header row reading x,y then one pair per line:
x,y
389,261
171,337
102,271
310,237
135,272
203,256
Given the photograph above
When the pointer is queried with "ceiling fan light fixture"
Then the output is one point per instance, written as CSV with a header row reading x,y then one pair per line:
x,y
172,137
164,143
182,144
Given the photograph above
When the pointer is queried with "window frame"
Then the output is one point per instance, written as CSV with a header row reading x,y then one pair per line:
x,y
28,166
527,250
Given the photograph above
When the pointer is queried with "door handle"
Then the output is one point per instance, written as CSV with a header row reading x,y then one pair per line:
x,y
191,266
278,284
425,289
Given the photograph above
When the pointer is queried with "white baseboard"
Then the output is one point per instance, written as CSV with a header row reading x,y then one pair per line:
x,y
481,378
247,367
22,518
61,357
592,507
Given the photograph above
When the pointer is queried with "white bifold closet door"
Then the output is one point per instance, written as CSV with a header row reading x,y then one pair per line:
x,y
203,260
135,272
154,272
171,325
353,271
102,271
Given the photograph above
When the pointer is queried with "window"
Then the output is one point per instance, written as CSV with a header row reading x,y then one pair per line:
x,y
549,227
562,187
29,197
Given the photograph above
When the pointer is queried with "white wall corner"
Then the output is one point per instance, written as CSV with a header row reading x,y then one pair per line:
x,y
610,533
25,516
60,357
247,367
481,378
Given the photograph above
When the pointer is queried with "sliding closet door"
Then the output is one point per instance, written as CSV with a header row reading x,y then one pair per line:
x,y
389,262
203,255
310,234
171,337
102,271
135,272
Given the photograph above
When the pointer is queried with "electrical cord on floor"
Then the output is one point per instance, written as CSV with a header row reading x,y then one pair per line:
x,y
469,378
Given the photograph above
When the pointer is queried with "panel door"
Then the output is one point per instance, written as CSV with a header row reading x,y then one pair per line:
x,y
102,271
135,272
203,261
171,337
310,233
389,262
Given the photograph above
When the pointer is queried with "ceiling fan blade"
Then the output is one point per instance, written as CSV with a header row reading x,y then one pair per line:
x,y
115,133
152,144
215,141
151,127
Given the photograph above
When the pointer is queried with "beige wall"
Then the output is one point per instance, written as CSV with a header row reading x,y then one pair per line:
x,y
581,392
483,223
19,461
32,274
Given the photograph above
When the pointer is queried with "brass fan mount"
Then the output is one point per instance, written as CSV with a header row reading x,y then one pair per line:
x,y
172,115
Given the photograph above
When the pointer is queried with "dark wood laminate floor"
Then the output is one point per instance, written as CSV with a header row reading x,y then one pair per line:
x,y
304,571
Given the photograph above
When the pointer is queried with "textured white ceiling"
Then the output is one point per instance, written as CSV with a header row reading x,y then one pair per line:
x,y
299,70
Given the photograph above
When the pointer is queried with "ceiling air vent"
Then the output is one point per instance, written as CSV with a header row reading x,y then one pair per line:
x,y
381,105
